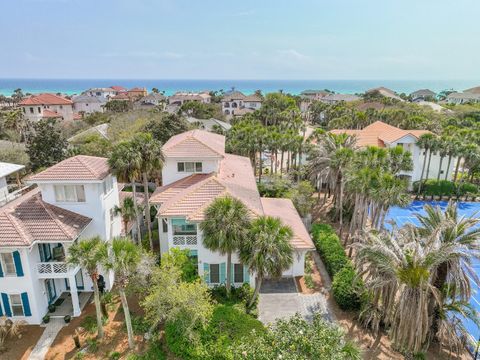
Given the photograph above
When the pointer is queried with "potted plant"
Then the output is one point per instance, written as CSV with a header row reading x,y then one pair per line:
x,y
51,308
67,319
46,319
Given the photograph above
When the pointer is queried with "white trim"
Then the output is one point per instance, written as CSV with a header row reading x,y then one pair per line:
x,y
11,304
4,267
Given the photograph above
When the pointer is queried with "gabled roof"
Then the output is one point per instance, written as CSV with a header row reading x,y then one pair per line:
x,y
30,219
80,167
379,133
286,212
45,99
253,98
386,92
198,143
423,92
118,88
87,99
233,95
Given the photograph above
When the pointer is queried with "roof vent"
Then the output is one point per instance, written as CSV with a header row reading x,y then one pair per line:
x,y
75,226
61,216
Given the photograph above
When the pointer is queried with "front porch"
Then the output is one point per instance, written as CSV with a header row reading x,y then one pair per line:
x,y
65,304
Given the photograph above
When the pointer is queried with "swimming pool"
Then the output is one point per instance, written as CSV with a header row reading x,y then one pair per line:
x,y
401,216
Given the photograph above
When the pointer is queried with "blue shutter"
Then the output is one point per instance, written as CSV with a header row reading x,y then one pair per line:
x,y
246,274
1,313
1,271
206,273
6,304
18,263
232,274
26,305
223,276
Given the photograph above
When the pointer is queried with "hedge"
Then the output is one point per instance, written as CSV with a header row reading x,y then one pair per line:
x,y
346,288
432,187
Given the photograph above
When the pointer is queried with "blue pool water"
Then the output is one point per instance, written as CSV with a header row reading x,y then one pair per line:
x,y
401,216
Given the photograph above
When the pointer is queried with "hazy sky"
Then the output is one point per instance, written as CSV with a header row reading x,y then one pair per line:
x,y
223,39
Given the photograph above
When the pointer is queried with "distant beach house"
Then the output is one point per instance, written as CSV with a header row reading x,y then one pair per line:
x,y
87,104
151,100
136,93
209,124
463,98
181,97
42,106
337,98
388,136
314,94
235,103
423,94
385,92
101,93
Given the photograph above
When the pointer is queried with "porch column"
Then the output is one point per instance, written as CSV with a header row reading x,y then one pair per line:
x,y
74,294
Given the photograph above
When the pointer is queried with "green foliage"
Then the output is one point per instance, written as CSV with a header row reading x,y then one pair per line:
x,y
295,338
180,259
164,126
201,110
90,324
46,145
274,186
329,247
346,289
302,197
432,187
114,355
118,106
14,153
92,144
239,295
92,345
309,281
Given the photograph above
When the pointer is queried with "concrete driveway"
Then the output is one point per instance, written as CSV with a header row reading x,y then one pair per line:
x,y
280,299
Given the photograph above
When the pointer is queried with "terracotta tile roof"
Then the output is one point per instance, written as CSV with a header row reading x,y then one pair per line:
x,y
118,88
30,219
190,196
200,143
50,114
285,210
379,133
45,99
80,167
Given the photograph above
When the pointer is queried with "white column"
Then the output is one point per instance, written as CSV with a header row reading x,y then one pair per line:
x,y
74,294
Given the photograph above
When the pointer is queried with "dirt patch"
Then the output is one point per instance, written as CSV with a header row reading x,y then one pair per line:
x,y
115,339
20,349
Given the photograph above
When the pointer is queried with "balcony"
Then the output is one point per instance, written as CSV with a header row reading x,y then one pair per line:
x,y
187,240
54,269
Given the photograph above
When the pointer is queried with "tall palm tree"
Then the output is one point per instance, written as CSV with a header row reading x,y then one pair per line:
x,y
268,251
151,154
443,150
88,254
424,142
224,228
123,258
125,162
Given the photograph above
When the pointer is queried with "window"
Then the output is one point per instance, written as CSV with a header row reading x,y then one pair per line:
x,y
69,193
107,185
16,305
8,265
214,273
39,110
164,225
190,167
23,109
181,227
238,273
31,110
61,107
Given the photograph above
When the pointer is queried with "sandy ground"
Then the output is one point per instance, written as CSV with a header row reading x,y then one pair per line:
x,y
20,348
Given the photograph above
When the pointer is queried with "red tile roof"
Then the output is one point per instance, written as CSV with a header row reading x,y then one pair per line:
x,y
199,143
80,167
286,212
29,219
379,133
118,88
46,99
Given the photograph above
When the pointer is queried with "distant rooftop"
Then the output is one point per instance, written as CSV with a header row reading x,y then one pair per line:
x,y
8,169
45,99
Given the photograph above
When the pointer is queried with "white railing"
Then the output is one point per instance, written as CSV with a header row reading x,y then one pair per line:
x,y
53,268
184,239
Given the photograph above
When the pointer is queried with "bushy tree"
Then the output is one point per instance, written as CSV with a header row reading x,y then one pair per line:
x,y
46,145
166,126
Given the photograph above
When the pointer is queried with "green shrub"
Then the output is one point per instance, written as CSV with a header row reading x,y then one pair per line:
x,y
346,289
154,352
92,345
114,355
140,325
468,188
432,187
329,247
309,281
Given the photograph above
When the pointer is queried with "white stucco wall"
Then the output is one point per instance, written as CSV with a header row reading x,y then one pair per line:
x,y
66,111
170,173
87,107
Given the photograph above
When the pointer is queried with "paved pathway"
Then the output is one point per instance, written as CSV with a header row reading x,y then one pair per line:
x,y
43,344
280,299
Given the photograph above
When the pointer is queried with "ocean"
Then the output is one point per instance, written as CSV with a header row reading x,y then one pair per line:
x,y
76,86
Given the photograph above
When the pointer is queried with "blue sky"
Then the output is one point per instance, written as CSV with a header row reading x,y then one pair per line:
x,y
262,39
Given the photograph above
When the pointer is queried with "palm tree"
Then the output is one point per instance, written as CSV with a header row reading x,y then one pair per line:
x,y
88,254
443,150
225,227
268,251
127,212
424,142
151,154
125,162
123,258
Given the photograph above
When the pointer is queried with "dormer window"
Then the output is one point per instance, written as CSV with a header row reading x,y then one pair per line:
x,y
190,167
69,193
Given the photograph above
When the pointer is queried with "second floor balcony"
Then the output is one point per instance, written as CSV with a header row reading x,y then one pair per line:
x,y
55,269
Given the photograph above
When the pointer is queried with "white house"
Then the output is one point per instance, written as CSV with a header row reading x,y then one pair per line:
x,y
463,98
74,199
237,103
102,93
181,97
196,171
37,107
387,136
88,104
7,169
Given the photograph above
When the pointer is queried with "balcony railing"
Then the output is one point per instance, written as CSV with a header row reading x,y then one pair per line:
x,y
184,239
54,269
